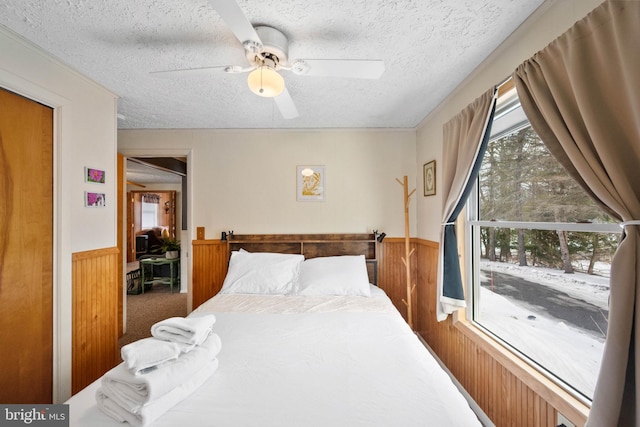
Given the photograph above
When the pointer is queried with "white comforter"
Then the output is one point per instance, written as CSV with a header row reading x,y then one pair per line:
x,y
323,361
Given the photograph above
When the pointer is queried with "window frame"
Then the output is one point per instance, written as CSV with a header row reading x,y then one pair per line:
x,y
472,251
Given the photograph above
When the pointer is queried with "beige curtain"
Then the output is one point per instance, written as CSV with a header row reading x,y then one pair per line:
x,y
582,96
465,139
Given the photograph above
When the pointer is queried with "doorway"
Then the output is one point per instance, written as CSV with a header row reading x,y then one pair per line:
x,y
26,252
156,208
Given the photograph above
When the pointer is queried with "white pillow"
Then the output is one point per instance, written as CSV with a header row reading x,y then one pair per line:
x,y
336,275
261,273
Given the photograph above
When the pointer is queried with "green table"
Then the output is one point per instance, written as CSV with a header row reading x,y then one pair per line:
x,y
174,277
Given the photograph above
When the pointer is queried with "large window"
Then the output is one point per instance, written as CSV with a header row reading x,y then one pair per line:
x,y
539,255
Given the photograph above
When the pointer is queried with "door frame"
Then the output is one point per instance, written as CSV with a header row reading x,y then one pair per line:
x,y
62,298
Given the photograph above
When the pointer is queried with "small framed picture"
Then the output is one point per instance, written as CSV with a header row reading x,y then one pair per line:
x,y
93,175
430,178
310,183
94,200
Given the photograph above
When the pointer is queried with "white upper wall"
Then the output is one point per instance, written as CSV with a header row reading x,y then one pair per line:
x,y
552,19
246,180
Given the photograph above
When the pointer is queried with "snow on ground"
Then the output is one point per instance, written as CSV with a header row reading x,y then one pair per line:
x,y
569,352
586,287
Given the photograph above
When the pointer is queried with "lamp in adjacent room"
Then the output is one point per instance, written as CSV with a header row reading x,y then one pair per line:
x,y
265,81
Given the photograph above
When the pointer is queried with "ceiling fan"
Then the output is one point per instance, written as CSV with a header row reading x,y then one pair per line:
x,y
266,49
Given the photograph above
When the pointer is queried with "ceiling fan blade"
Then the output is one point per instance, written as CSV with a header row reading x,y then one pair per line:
x,y
349,68
285,105
204,71
238,23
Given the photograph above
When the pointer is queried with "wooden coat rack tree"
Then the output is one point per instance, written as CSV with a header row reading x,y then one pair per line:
x,y
407,250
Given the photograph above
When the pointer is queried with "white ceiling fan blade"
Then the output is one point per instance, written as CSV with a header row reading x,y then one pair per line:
x,y
238,23
285,105
349,68
203,71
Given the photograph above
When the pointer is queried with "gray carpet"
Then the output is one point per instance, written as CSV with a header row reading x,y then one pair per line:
x,y
145,309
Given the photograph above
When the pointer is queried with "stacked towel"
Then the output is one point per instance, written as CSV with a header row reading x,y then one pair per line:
x,y
187,332
149,354
158,373
156,408
134,391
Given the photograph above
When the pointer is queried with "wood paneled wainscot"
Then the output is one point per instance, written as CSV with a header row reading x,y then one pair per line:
x,y
210,262
95,315
392,276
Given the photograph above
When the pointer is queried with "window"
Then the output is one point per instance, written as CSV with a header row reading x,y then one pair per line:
x,y
539,253
149,215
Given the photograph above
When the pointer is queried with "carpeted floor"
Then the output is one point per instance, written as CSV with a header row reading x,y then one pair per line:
x,y
145,309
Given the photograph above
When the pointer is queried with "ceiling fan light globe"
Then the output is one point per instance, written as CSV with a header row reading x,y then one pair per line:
x,y
266,82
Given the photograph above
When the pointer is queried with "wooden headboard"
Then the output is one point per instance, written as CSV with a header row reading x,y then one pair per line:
x,y
311,246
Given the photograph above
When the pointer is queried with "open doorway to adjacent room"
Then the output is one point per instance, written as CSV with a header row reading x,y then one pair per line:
x,y
156,213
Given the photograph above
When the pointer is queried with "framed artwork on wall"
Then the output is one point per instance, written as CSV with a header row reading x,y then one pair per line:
x,y
94,200
310,183
430,178
93,175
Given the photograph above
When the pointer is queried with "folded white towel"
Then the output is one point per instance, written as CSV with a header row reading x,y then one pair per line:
x,y
156,408
131,392
186,330
149,353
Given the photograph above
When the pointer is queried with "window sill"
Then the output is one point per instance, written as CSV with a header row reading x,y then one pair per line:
x,y
572,408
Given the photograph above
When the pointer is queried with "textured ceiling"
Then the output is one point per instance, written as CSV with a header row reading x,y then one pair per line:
x,y
428,47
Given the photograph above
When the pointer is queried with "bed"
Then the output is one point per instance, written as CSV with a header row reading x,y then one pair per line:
x,y
326,349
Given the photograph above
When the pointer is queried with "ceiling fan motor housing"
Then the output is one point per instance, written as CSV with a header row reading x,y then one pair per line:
x,y
275,46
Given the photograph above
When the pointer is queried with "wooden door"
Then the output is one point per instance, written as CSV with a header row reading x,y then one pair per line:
x,y
26,250
131,234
